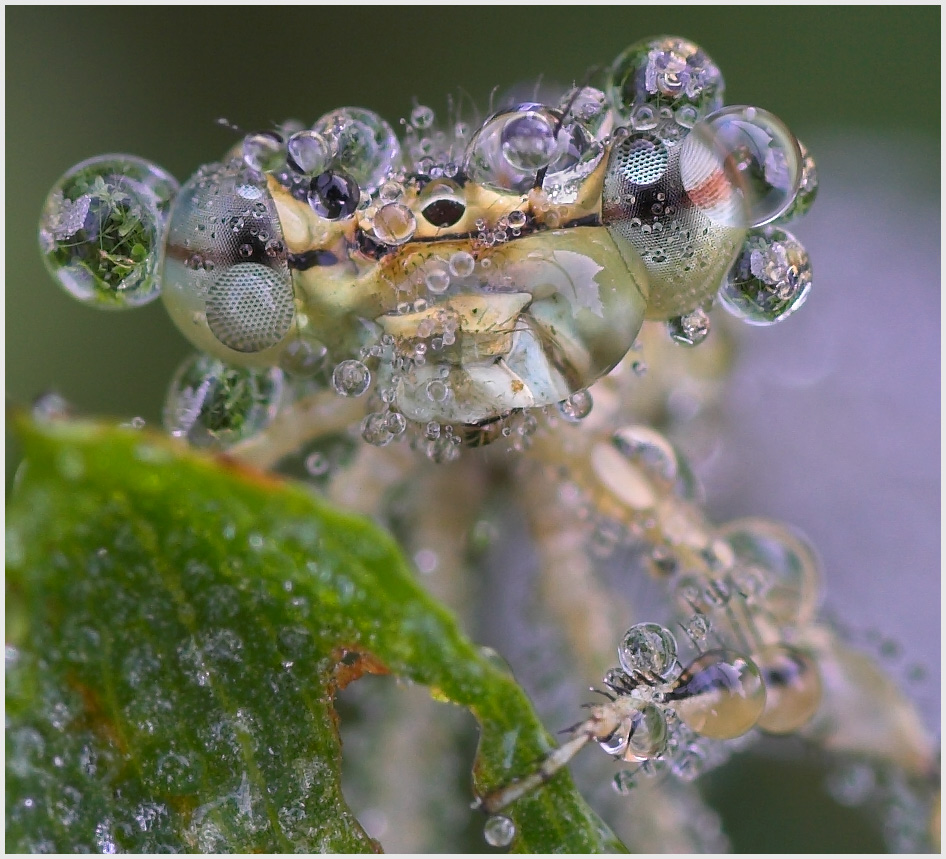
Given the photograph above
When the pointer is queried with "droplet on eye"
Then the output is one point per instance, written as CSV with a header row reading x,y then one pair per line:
x,y
663,72
762,158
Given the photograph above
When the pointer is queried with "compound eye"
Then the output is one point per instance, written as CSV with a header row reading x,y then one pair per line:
x,y
226,264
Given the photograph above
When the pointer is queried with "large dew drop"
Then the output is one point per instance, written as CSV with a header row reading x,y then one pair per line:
x,y
762,156
720,695
102,230
667,72
786,566
215,405
365,146
769,280
792,688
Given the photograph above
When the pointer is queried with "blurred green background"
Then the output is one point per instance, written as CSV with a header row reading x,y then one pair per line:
x,y
152,81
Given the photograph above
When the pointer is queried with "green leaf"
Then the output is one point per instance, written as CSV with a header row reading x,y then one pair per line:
x,y
177,629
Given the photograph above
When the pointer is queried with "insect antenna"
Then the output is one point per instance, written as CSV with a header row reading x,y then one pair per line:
x,y
576,91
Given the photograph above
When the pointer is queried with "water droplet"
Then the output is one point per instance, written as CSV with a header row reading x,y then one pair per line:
x,y
648,648
394,224
461,264
698,626
436,276
807,190
264,151
516,219
426,561
528,141
351,378
396,423
792,688
365,145
499,831
374,429
852,784
51,407
720,695
617,742
304,356
102,227
654,73
688,765
648,449
436,390
769,280
308,153
212,404
786,566
761,155
576,407
648,734
422,116
691,329
624,781
334,195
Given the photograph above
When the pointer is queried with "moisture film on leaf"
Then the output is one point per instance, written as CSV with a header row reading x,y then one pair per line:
x,y
177,628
